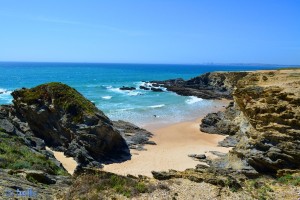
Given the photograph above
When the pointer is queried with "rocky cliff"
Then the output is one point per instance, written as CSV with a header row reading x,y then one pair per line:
x,y
213,85
264,121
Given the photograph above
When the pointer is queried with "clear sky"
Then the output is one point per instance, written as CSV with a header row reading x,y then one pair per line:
x,y
151,31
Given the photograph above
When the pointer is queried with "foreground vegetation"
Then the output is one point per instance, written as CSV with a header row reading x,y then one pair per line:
x,y
14,154
99,184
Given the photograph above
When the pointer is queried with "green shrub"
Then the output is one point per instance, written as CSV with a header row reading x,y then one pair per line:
x,y
289,179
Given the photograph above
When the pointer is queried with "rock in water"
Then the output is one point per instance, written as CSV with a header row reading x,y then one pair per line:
x,y
127,88
68,122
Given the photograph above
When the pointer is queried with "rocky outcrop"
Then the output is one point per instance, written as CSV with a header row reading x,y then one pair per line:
x,y
270,102
214,85
68,122
210,175
264,121
134,136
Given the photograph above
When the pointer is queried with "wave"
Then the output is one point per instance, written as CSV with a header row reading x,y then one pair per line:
x,y
5,92
157,106
193,99
5,96
132,93
107,97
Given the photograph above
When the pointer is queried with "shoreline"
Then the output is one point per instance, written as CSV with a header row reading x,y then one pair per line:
x,y
216,105
174,143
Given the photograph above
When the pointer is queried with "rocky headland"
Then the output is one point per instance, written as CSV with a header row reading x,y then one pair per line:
x,y
215,85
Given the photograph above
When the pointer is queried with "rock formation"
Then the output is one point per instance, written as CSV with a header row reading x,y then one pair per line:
x,y
264,121
66,121
214,85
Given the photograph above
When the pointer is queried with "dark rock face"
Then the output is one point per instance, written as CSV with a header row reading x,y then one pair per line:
x,y
127,88
68,122
223,123
213,85
134,136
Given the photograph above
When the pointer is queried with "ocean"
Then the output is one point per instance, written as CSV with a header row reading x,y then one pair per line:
x,y
100,83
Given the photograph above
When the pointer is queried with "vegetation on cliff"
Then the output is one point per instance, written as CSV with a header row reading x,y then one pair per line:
x,y
14,154
60,95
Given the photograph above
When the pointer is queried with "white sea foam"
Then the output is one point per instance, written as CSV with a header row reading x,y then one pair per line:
x,y
5,95
115,89
5,92
193,99
133,93
107,97
125,109
157,106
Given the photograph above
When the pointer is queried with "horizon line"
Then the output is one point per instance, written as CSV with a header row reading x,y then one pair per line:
x,y
142,63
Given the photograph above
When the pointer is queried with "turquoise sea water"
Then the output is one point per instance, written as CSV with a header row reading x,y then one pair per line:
x,y
100,82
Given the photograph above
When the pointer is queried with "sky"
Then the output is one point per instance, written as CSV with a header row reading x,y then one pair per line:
x,y
151,31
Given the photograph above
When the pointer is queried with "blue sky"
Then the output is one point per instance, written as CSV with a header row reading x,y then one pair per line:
x,y
151,31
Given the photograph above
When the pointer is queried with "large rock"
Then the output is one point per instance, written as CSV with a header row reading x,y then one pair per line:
x,y
270,102
68,122
134,136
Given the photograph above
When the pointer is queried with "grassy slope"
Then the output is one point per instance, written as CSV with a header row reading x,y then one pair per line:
x,y
14,154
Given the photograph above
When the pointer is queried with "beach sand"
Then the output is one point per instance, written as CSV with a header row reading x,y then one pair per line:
x,y
68,162
174,143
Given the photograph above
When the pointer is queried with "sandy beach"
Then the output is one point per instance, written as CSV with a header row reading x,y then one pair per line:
x,y
174,143
68,162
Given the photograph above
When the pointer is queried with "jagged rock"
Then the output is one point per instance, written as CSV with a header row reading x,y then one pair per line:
x,y
127,88
264,122
134,136
223,123
68,122
271,107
